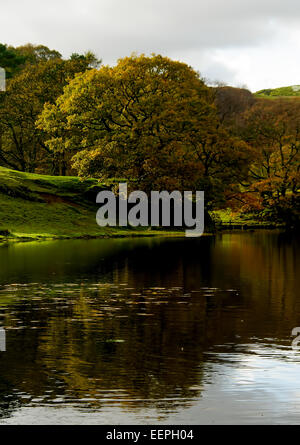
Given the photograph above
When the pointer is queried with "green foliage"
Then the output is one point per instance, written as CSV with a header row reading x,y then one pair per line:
x,y
22,146
89,57
10,60
34,54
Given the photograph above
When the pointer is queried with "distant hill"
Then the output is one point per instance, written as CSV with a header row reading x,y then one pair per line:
x,y
291,91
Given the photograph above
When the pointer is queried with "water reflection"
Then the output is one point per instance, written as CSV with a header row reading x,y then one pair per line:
x,y
149,330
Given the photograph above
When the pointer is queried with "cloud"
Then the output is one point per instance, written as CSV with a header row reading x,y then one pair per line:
x,y
203,33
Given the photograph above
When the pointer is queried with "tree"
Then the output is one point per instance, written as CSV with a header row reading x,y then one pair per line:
x,y
221,161
10,60
93,61
150,120
22,145
231,102
272,129
36,53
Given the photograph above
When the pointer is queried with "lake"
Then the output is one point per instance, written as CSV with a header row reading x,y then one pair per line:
x,y
151,330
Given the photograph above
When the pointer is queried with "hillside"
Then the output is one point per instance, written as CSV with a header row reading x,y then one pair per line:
x,y
40,207
292,91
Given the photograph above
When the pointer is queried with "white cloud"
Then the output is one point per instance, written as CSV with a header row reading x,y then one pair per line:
x,y
250,41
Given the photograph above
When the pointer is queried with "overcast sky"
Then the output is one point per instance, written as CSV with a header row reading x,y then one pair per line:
x,y
241,42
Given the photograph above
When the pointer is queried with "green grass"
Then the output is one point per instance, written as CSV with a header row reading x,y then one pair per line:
x,y
46,207
226,218
275,93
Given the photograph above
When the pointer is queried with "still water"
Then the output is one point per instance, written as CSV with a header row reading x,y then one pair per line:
x,y
149,331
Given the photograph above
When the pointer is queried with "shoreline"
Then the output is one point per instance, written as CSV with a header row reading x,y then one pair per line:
x,y
49,208
10,240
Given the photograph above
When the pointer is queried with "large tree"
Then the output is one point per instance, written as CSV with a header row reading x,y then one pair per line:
x,y
149,120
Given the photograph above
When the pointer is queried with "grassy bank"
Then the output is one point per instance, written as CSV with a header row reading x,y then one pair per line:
x,y
229,220
47,207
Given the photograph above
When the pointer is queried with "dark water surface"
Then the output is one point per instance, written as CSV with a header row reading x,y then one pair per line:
x,y
153,331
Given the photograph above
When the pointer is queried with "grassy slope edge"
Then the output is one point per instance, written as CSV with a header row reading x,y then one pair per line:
x,y
45,207
289,92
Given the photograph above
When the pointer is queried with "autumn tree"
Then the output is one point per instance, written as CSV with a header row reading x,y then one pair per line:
x,y
150,120
36,53
272,129
220,161
231,102
22,145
